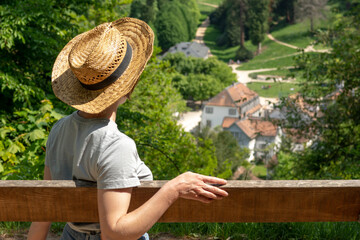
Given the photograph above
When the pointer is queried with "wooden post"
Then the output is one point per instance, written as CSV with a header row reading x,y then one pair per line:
x,y
248,201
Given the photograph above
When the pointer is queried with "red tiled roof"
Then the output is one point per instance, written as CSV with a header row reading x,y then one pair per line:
x,y
240,93
254,127
228,121
233,96
222,99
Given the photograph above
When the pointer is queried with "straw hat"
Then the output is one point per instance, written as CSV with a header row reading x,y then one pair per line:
x,y
98,67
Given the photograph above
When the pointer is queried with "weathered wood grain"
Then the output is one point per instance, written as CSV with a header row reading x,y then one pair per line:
x,y
248,201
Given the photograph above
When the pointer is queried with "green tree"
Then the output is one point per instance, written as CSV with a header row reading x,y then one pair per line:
x,y
285,8
31,35
257,22
331,97
228,17
172,21
228,152
23,137
310,9
199,79
171,26
145,10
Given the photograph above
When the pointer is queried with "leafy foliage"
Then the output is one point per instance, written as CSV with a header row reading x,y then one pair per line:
x,y
199,79
257,21
31,35
173,21
22,141
244,54
312,10
284,9
239,20
228,152
230,18
330,98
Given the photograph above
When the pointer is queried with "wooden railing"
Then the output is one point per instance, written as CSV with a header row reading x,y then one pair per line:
x,y
248,201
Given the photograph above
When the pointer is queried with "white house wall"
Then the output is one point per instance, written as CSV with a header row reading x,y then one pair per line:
x,y
217,116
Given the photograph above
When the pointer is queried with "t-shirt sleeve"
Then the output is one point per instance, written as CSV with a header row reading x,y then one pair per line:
x,y
117,165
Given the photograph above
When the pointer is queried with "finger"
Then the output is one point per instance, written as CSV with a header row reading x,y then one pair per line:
x,y
213,180
215,190
195,196
207,194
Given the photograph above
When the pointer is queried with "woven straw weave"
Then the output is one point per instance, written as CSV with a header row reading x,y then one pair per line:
x,y
92,56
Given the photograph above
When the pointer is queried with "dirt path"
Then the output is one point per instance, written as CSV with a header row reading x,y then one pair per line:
x,y
309,48
190,120
209,4
200,32
279,42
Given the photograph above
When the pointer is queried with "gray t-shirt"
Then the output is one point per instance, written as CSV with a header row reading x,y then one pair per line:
x,y
93,150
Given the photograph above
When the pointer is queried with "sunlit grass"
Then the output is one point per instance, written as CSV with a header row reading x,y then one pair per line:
x,y
271,89
259,171
285,73
295,34
269,231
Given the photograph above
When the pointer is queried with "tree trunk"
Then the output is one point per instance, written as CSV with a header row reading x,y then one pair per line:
x,y
258,51
242,35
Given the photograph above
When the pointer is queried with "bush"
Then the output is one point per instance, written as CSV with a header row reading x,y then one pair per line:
x,y
243,54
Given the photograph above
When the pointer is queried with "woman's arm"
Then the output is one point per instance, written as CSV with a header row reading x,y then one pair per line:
x,y
117,224
39,230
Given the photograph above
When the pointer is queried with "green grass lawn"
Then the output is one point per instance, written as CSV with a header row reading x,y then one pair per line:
x,y
296,34
271,89
256,231
282,72
259,171
243,231
223,53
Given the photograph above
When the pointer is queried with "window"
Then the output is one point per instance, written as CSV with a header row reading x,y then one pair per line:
x,y
262,145
236,135
208,123
232,111
209,110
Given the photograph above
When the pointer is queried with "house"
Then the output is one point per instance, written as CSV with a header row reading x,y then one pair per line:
x,y
260,136
236,101
299,140
193,49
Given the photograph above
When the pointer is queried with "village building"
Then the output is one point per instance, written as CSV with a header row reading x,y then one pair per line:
x,y
261,137
236,101
192,49
237,109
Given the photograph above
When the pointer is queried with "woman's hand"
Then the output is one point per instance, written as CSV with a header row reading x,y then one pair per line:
x,y
198,187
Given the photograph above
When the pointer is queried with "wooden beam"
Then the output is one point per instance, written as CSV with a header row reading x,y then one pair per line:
x,y
248,201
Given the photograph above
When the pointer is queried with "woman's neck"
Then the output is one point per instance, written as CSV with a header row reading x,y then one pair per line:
x,y
111,115
108,113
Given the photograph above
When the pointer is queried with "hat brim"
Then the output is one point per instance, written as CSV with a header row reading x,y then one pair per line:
x,y
68,88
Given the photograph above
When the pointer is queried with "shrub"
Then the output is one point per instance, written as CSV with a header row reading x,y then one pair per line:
x,y
243,54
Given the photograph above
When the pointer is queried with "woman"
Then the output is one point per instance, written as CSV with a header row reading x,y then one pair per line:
x,y
95,73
